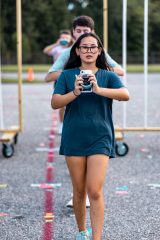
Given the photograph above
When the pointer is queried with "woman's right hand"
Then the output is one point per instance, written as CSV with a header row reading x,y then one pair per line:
x,y
77,85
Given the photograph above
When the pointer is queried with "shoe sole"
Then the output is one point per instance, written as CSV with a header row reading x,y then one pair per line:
x,y
70,203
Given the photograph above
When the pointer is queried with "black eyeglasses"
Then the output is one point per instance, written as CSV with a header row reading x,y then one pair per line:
x,y
85,49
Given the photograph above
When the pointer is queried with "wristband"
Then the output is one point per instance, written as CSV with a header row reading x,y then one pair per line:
x,y
75,94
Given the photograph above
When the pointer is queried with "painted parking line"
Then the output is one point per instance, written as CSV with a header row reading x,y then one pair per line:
x,y
45,149
154,185
122,190
3,185
46,185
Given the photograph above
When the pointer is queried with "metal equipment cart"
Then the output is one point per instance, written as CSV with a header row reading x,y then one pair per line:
x,y
121,147
9,137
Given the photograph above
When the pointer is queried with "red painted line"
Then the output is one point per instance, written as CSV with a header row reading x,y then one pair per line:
x,y
51,144
48,226
48,201
50,157
4,214
49,174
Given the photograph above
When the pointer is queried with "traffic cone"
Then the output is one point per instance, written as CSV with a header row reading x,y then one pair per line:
x,y
30,77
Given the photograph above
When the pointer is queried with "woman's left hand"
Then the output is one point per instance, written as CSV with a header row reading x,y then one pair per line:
x,y
93,80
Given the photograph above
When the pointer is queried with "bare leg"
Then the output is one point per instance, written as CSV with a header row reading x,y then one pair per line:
x,y
77,169
96,172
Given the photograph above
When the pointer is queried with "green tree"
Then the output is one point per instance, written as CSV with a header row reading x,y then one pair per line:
x,y
42,20
92,8
154,30
8,29
135,29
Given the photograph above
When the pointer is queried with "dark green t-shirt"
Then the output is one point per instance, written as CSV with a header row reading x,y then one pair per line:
x,y
88,127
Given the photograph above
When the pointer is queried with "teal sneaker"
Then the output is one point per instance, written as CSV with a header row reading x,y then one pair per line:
x,y
89,231
84,235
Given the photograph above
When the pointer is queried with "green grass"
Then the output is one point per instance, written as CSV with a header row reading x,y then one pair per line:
x,y
152,68
9,80
36,68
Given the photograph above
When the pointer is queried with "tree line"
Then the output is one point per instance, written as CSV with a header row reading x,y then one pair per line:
x,y
42,20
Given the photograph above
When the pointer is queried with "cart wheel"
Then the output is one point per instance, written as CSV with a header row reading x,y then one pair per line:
x,y
121,149
16,139
7,150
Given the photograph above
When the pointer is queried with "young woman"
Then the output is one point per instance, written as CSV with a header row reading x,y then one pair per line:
x,y
88,133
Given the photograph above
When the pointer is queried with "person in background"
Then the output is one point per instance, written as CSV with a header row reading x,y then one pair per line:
x,y
88,133
81,24
64,41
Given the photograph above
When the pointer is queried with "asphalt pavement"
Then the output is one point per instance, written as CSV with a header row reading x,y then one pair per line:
x,y
32,210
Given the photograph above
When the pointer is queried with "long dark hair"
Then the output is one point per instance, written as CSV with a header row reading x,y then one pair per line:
x,y
74,60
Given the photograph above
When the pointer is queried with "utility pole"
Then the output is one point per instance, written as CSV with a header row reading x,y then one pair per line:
x,y
105,24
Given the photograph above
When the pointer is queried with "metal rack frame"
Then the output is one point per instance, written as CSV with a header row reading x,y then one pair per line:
x,y
122,148
10,136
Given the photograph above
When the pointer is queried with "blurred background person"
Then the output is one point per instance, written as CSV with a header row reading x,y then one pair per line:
x,y
64,41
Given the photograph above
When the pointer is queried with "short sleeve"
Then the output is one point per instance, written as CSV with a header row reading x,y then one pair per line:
x,y
115,81
112,63
60,86
60,62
